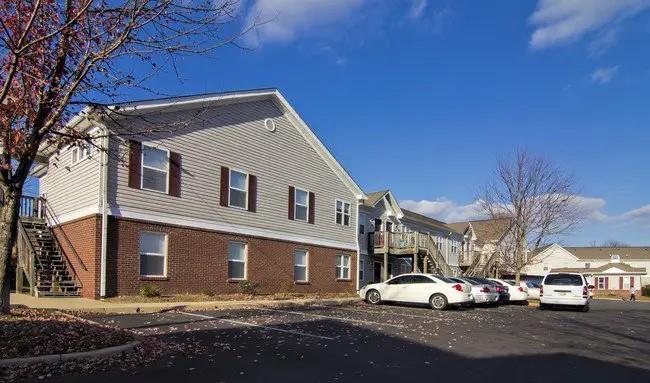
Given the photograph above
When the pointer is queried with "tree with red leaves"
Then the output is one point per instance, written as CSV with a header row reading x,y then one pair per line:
x,y
57,54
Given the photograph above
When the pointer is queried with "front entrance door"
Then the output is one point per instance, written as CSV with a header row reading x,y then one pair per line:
x,y
377,272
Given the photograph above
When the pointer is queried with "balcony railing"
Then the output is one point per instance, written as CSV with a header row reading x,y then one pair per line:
x,y
31,207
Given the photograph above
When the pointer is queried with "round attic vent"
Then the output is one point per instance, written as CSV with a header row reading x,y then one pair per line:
x,y
269,124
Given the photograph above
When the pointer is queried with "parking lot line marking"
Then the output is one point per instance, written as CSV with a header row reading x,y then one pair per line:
x,y
241,323
333,317
373,311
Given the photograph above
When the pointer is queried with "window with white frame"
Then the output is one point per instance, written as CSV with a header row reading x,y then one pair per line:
x,y
362,269
80,152
343,266
300,259
155,168
615,258
236,260
342,213
301,205
153,254
238,189
601,283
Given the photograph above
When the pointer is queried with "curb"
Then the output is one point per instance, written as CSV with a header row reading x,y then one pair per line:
x,y
57,358
202,306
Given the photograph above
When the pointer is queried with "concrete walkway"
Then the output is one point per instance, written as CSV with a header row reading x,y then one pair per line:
x,y
97,306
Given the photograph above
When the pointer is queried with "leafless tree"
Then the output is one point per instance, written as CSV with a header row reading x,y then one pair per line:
x,y
57,55
540,199
609,243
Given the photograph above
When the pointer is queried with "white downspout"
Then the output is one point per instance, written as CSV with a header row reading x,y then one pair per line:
x,y
356,236
104,211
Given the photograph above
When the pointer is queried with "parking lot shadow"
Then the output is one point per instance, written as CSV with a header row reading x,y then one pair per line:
x,y
279,348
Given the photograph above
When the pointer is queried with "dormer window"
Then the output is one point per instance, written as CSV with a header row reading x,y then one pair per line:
x,y
615,258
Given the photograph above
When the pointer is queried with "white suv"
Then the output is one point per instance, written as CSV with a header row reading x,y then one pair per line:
x,y
566,289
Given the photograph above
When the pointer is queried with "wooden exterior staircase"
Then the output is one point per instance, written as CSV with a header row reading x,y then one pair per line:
x,y
41,262
481,267
411,243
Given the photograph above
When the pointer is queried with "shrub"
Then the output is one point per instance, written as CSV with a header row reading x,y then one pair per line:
x,y
645,291
208,293
149,291
247,287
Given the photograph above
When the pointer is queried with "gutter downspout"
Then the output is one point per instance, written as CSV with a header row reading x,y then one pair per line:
x,y
104,212
356,236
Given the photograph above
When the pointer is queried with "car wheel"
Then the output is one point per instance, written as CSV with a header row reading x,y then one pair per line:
x,y
438,302
373,297
584,308
542,306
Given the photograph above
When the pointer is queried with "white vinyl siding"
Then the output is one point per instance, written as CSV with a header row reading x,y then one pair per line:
x,y
153,254
301,205
300,268
234,136
72,189
343,266
238,192
236,260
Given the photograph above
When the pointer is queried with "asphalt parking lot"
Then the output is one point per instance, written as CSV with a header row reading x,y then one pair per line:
x,y
359,342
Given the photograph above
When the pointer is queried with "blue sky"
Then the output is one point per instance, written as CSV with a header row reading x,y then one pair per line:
x,y
423,97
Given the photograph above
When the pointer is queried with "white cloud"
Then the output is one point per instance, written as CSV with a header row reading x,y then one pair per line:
x,y
417,9
641,215
444,209
591,209
604,75
563,21
603,42
284,20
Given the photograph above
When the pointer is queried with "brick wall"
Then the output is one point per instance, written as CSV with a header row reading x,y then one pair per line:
x,y
84,237
197,262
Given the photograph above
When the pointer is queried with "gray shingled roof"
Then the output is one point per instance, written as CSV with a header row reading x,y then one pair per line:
x,y
427,221
625,253
486,230
374,197
622,266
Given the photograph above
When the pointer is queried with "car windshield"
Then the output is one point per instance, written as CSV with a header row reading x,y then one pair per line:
x,y
481,281
511,283
471,282
563,280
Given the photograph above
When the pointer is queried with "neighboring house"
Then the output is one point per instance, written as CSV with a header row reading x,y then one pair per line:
x,y
481,240
607,268
199,194
393,240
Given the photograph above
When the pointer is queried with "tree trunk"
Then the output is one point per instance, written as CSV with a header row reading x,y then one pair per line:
x,y
8,233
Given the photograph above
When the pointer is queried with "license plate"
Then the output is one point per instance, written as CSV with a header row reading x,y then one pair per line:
x,y
561,294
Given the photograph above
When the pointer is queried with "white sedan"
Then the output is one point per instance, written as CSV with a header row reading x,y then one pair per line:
x,y
518,294
436,291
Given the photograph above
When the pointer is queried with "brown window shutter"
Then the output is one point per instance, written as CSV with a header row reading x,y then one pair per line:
x,y
225,182
312,207
606,283
252,193
135,161
292,196
595,283
174,174
620,283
